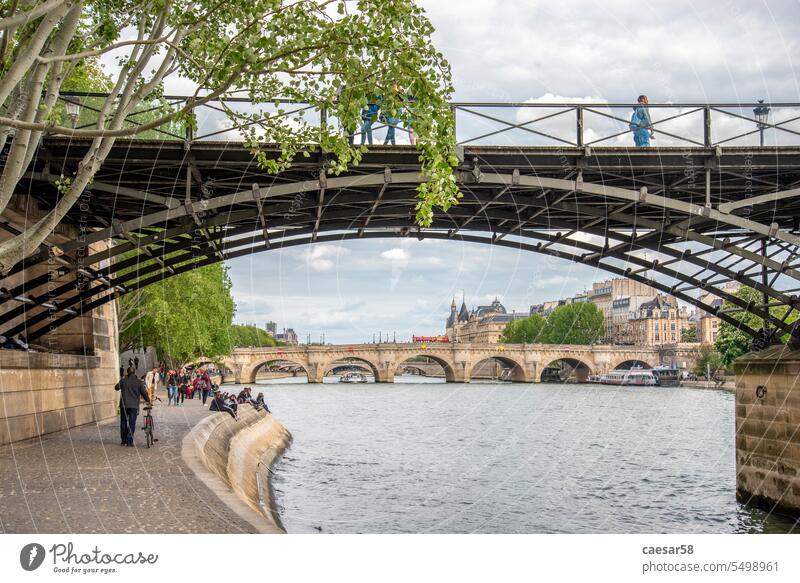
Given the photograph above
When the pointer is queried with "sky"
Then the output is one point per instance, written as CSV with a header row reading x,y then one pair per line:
x,y
610,51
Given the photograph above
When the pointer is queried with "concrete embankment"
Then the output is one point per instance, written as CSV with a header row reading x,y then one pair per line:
x,y
729,386
233,458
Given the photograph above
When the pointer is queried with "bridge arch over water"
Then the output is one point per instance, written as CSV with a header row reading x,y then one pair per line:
x,y
577,369
632,363
514,367
362,362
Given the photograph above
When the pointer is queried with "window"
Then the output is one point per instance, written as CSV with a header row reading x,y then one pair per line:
x,y
672,327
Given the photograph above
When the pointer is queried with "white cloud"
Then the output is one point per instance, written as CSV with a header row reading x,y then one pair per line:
x,y
324,258
396,254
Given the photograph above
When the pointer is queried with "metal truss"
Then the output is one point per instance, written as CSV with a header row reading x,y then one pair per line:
x,y
638,218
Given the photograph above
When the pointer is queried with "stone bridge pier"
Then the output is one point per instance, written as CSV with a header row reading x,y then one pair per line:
x,y
768,429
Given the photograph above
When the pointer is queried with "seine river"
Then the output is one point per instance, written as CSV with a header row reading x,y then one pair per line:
x,y
423,456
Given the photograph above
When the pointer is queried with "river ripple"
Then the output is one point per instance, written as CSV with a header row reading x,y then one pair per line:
x,y
424,456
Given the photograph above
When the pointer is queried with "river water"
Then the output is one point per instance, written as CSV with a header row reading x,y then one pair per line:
x,y
423,456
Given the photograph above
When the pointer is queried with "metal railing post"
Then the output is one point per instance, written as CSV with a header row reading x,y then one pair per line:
x,y
707,126
579,122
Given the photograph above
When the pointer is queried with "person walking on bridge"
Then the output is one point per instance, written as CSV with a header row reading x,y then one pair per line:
x,y
131,389
641,125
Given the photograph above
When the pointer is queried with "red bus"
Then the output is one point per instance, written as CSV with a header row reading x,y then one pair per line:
x,y
430,339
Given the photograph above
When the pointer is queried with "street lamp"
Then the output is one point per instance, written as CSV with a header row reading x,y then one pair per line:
x,y
761,112
73,109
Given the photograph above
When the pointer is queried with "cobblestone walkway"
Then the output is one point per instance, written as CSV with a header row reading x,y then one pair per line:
x,y
82,481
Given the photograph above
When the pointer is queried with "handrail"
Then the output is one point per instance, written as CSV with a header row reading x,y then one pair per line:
x,y
592,122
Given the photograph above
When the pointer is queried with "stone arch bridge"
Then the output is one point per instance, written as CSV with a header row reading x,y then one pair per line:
x,y
525,361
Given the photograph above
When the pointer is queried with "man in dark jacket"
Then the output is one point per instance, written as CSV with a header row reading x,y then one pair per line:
x,y
131,389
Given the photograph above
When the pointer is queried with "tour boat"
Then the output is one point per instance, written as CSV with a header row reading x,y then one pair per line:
x,y
353,377
667,376
635,377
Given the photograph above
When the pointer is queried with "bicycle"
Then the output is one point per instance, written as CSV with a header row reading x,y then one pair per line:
x,y
149,425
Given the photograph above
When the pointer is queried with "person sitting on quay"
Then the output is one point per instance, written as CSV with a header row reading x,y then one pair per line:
x,y
641,125
245,395
261,403
219,403
131,390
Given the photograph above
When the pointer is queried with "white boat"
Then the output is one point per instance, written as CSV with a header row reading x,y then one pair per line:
x,y
353,377
636,377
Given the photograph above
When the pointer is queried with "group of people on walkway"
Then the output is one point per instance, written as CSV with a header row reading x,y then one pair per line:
x,y
374,111
640,123
188,384
229,403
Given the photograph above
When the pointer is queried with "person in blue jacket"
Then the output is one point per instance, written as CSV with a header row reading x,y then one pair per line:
x,y
641,125
368,117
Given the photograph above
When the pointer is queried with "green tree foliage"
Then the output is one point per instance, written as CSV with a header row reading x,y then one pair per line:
x,y
182,317
689,334
580,323
334,55
251,336
528,330
731,341
710,361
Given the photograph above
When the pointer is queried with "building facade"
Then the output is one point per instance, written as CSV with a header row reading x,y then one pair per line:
x,y
484,324
289,336
708,324
603,294
657,321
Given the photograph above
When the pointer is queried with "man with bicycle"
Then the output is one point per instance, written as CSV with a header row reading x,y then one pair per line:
x,y
131,390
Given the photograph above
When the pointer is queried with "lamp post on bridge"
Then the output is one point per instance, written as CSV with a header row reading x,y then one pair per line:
x,y
762,115
73,109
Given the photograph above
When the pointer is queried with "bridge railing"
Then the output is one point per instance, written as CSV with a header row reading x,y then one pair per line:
x,y
574,124
607,124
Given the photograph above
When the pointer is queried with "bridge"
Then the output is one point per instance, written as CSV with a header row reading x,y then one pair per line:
x,y
705,208
524,362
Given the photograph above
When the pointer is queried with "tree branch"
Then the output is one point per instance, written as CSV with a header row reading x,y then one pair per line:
x,y
24,18
97,52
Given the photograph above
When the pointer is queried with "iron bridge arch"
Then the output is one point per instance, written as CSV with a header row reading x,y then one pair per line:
x,y
584,212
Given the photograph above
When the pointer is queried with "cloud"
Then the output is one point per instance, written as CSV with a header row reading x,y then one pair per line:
x,y
323,258
396,254
553,281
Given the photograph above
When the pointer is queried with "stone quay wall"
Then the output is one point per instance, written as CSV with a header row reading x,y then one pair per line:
x,y
768,428
237,456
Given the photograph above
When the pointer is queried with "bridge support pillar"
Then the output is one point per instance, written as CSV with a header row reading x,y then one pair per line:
x,y
385,375
767,421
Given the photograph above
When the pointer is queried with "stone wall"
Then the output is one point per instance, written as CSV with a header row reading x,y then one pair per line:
x,y
240,455
768,428
69,380
41,393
